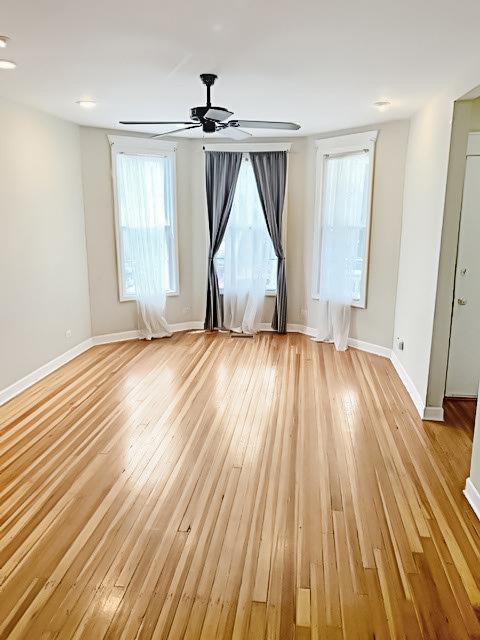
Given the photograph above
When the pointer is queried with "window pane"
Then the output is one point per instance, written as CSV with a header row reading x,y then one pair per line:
x,y
145,210
344,226
247,218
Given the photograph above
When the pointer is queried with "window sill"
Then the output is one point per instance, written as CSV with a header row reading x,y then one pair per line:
x,y
170,294
357,305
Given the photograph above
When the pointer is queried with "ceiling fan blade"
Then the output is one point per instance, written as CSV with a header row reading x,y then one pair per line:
x,y
218,114
264,124
235,133
169,133
157,122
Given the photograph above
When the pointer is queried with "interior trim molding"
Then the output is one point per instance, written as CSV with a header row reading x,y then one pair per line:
x,y
337,144
433,413
473,496
195,325
377,349
143,143
121,336
49,367
248,146
409,386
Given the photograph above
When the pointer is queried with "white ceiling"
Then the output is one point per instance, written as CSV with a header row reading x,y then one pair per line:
x,y
321,64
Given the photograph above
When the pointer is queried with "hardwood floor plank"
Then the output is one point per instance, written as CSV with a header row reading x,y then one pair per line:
x,y
199,487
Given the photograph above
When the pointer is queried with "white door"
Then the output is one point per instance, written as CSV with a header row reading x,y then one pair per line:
x,y
463,372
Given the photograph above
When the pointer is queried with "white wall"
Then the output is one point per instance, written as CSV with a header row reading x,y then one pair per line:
x,y
424,195
374,324
43,267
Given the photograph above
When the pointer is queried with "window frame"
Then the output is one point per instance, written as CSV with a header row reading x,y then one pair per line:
x,y
346,144
245,148
143,147
268,292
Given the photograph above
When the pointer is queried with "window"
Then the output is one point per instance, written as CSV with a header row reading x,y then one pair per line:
x,y
246,227
343,205
144,173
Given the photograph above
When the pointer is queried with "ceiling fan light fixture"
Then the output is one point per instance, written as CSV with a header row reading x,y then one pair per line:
x,y
86,104
4,41
6,65
382,105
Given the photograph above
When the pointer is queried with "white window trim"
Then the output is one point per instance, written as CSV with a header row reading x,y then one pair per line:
x,y
248,146
259,146
331,146
142,146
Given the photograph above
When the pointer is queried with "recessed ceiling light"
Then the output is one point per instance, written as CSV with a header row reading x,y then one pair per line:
x,y
7,64
382,104
87,104
3,42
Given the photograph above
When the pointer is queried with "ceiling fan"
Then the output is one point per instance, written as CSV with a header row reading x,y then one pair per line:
x,y
215,119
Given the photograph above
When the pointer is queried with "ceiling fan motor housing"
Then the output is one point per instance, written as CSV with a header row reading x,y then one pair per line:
x,y
209,126
197,114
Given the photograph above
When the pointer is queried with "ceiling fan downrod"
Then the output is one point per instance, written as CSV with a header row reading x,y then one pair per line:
x,y
208,80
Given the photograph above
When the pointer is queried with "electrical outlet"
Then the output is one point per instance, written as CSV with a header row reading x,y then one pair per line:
x,y
68,333
400,344
186,310
303,313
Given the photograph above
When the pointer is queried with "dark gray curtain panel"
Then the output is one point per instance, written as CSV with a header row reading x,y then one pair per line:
x,y
270,170
221,173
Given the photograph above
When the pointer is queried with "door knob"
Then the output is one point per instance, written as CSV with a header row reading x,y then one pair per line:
x,y
462,301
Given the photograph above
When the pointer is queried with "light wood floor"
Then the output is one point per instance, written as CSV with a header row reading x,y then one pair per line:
x,y
210,487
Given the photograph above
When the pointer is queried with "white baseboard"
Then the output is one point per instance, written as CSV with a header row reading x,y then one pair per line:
x,y
121,336
291,328
24,383
434,414
409,385
300,328
195,325
378,350
473,496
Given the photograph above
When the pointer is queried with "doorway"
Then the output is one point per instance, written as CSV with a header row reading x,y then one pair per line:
x,y
463,371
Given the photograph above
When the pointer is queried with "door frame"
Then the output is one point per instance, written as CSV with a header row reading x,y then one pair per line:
x,y
473,149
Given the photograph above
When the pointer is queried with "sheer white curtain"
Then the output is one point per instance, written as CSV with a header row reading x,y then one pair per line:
x,y
344,214
143,187
247,253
